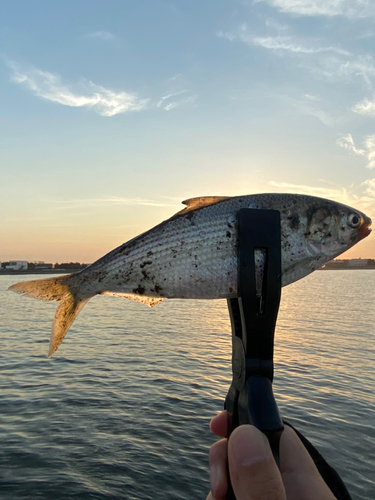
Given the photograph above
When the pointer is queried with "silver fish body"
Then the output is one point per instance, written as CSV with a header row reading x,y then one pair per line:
x,y
193,255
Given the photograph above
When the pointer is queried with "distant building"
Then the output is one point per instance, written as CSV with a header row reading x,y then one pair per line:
x,y
336,264
43,265
17,265
358,262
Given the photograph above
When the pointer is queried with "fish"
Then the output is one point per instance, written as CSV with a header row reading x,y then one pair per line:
x,y
193,254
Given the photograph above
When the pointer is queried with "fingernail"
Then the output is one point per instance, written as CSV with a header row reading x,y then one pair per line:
x,y
248,446
215,478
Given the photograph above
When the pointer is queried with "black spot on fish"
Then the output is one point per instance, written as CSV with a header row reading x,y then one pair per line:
x,y
140,290
293,221
150,253
229,234
145,275
146,263
158,289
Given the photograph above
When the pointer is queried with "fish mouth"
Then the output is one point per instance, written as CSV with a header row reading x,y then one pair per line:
x,y
365,229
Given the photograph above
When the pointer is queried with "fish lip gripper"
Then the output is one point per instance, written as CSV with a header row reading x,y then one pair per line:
x,y
250,398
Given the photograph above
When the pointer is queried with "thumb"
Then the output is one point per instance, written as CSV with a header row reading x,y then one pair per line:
x,y
252,468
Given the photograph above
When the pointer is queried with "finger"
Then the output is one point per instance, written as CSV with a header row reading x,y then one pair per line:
x,y
253,470
218,470
219,424
300,476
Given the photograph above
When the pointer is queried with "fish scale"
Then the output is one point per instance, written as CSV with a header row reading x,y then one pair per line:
x,y
193,255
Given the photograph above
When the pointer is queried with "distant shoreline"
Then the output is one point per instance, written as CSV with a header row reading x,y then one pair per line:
x,y
8,272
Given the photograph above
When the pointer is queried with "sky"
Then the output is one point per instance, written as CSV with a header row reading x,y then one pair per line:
x,y
112,113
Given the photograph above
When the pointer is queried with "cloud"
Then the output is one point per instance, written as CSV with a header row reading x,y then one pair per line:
x,y
290,44
370,146
166,103
338,193
361,196
280,43
116,200
369,187
181,102
176,87
333,68
328,62
103,35
311,105
365,107
347,142
87,94
348,8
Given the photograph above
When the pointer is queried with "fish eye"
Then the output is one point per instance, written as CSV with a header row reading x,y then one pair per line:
x,y
354,220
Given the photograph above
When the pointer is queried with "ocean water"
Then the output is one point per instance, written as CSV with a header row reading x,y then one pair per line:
x,y
122,409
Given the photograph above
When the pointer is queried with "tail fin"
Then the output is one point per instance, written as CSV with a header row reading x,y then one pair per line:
x,y
55,289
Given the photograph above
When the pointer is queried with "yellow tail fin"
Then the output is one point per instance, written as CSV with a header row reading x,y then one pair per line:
x,y
55,289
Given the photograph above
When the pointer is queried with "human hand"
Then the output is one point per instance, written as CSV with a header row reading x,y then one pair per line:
x,y
253,471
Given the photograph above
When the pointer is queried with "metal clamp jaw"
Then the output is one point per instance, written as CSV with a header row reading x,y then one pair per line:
x,y
253,315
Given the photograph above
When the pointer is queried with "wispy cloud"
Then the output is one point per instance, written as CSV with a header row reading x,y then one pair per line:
x,y
290,44
312,106
104,101
370,145
279,43
347,142
176,94
365,107
107,201
331,192
343,69
348,8
102,35
361,197
169,102
327,62
370,187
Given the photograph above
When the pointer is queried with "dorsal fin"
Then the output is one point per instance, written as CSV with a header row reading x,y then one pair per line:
x,y
201,201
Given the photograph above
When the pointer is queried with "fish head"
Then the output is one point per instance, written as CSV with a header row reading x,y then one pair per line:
x,y
316,231
334,228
